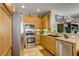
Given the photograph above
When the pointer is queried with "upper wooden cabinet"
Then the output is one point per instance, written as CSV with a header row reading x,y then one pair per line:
x,y
46,22
28,19
37,22
34,20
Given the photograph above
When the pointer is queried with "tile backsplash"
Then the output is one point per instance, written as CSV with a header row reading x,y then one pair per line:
x,y
41,31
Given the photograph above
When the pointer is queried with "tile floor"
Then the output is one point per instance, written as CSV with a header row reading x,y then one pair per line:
x,y
36,51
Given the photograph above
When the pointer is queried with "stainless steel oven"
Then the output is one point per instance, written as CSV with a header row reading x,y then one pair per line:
x,y
29,35
30,40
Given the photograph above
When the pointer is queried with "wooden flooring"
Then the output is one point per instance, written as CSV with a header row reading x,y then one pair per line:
x,y
36,51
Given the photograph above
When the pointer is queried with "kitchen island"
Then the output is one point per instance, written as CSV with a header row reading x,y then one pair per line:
x,y
59,45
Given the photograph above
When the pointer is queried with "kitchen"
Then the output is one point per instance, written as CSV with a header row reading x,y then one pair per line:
x,y
55,31
43,29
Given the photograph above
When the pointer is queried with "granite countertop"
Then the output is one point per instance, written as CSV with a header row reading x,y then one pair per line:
x,y
69,40
61,37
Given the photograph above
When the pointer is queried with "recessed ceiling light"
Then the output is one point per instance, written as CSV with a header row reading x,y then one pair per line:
x,y
23,6
38,10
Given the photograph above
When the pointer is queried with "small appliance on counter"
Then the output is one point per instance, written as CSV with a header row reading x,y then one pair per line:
x,y
29,35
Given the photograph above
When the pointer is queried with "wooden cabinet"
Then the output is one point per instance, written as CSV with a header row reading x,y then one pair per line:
x,y
37,39
37,22
49,43
45,21
34,20
5,32
28,19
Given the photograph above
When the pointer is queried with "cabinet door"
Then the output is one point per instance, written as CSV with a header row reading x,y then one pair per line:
x,y
28,19
37,22
45,22
37,39
5,32
49,43
34,20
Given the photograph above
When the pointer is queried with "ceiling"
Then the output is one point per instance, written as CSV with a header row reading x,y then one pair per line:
x,y
71,9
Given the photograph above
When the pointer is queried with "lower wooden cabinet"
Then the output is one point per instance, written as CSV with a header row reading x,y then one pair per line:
x,y
37,39
49,43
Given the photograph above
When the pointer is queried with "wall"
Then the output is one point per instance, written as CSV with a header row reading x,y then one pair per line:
x,y
52,18
52,21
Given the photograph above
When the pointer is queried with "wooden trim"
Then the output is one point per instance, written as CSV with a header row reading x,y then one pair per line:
x,y
3,7
74,52
7,8
7,50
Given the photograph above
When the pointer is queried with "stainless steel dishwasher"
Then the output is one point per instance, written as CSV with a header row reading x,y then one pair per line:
x,y
63,48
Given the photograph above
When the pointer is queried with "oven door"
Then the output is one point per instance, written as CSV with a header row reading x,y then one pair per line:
x,y
30,40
